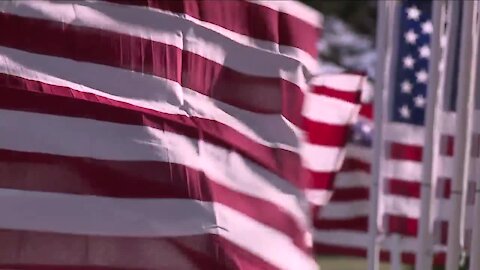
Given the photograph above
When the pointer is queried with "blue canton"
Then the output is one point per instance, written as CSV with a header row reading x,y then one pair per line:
x,y
411,77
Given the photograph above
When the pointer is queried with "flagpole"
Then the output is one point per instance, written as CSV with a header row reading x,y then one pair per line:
x,y
464,108
432,138
396,252
381,44
475,241
384,37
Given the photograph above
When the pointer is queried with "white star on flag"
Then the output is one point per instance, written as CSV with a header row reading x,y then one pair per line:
x,y
413,13
404,111
419,101
427,27
406,87
424,51
422,76
408,62
366,128
411,36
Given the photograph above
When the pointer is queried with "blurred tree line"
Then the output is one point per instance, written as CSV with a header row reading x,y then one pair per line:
x,y
360,15
348,33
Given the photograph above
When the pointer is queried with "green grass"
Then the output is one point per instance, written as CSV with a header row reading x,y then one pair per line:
x,y
354,263
346,263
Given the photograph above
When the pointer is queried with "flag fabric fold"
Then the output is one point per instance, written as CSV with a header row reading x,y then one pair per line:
x,y
329,110
162,134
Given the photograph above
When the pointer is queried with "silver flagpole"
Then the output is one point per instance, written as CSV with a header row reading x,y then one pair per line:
x,y
475,241
396,252
385,42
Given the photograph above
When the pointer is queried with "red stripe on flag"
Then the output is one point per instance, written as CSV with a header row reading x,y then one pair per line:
x,y
350,194
249,92
26,250
352,97
135,179
402,225
366,110
447,145
236,16
326,134
403,188
318,180
353,224
352,164
405,152
51,99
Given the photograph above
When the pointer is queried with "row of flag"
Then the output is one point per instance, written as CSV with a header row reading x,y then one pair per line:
x,y
419,176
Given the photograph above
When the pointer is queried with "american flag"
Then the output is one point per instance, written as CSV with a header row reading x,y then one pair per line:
x,y
160,134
